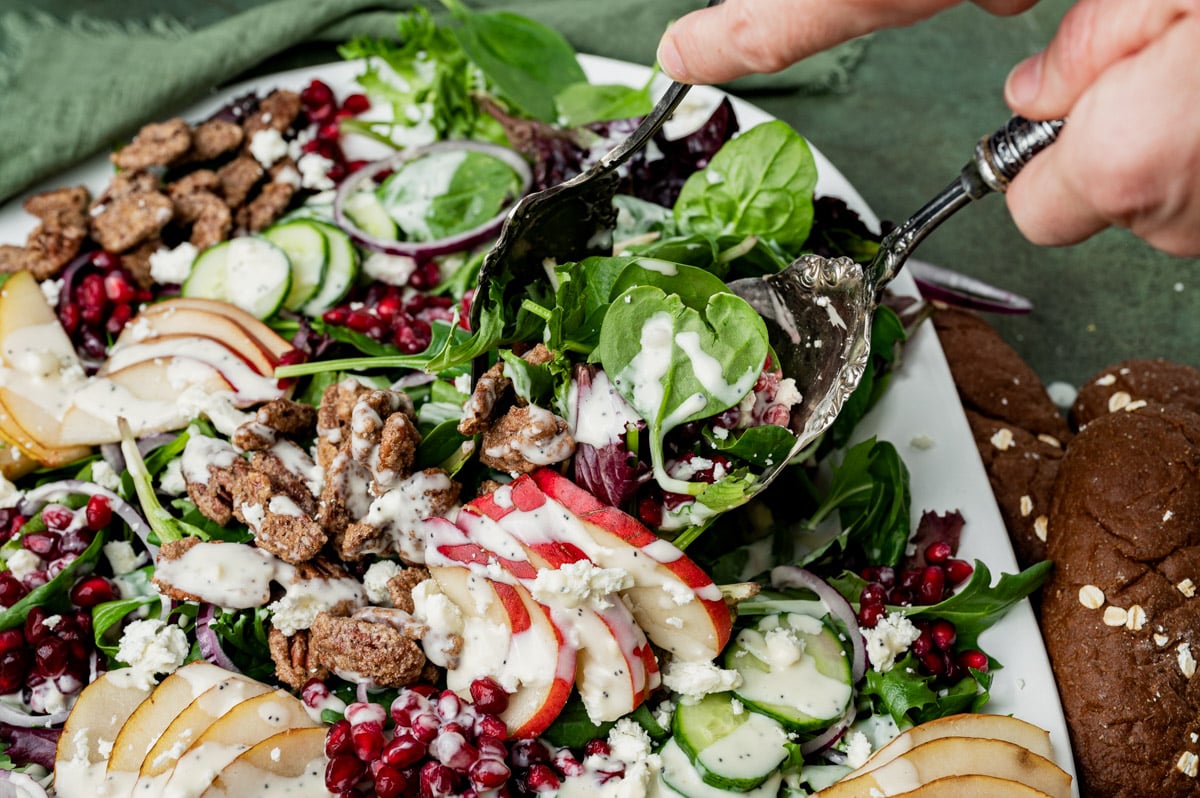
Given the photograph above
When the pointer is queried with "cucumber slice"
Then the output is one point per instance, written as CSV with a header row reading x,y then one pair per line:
x,y
307,249
794,668
368,214
248,272
341,270
680,777
728,745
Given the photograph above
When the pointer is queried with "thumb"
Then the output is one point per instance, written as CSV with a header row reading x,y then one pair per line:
x,y
1093,35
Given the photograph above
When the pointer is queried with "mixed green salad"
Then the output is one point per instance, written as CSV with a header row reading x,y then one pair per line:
x,y
637,378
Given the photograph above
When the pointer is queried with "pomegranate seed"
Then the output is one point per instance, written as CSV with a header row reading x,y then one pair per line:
x,y
118,289
922,645
11,639
11,589
390,783
413,337
50,657
361,321
368,740
488,774
361,712
93,344
934,663
452,750
35,625
43,544
873,593
425,726
883,574
98,513
869,615
337,739
973,659
105,261
120,316
449,705
426,690
407,704
492,746
900,597
437,780
597,747
57,518
566,763
93,299
525,753
951,672
488,696
426,275
75,541
316,93
355,165
490,726
403,750
315,693
910,578
356,103
933,585
541,778
943,634
92,590
68,316
14,669
389,307
329,131
938,552
336,172
958,571
343,772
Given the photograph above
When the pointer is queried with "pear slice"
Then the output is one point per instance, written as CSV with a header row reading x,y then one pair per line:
x,y
97,717
974,786
290,763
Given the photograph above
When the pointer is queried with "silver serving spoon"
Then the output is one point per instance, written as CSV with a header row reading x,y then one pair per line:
x,y
818,311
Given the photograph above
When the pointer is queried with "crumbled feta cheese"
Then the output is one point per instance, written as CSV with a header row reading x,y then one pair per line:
x,y
890,637
1187,587
923,442
9,495
152,647
390,269
314,171
23,562
104,476
122,557
173,265
51,289
580,583
305,599
435,609
254,514
857,748
376,579
171,479
698,679
629,741
267,146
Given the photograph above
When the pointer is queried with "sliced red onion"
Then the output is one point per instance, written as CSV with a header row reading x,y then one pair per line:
x,y
361,694
210,644
39,496
442,246
793,576
831,735
19,785
15,717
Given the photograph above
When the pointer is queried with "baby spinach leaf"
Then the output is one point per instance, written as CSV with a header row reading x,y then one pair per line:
x,y
760,183
53,594
527,62
583,103
675,364
446,193
694,286
763,446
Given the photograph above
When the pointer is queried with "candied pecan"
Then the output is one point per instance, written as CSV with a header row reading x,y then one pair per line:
x,y
214,497
280,525
276,111
214,138
137,261
277,417
12,258
262,211
401,585
477,414
398,443
283,479
345,497
210,217
74,199
525,438
292,662
125,183
392,524
54,242
487,487
128,221
156,144
199,180
238,178
359,650
173,550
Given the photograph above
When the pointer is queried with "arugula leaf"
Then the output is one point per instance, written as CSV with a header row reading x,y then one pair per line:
x,y
675,364
243,636
760,183
109,615
527,62
583,103
446,336
980,604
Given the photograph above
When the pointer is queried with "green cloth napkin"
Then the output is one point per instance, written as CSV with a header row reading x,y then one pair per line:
x,y
83,76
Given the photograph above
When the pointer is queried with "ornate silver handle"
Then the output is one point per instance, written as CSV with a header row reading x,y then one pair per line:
x,y
1000,156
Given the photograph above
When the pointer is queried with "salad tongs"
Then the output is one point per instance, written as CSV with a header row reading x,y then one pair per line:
x,y
818,311
567,222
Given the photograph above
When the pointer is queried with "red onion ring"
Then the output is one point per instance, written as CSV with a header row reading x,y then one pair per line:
x,y
442,246
832,734
16,784
35,499
793,576
210,644
15,717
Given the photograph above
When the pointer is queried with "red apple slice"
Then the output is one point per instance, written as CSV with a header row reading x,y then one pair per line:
x,y
268,339
673,600
191,322
513,639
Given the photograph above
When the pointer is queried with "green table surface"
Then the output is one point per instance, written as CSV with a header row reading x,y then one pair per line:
x,y
900,127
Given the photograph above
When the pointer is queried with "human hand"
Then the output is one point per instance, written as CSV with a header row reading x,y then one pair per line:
x,y
1127,75
742,37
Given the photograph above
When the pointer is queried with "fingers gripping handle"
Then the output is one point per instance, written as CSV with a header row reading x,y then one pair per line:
x,y
1002,155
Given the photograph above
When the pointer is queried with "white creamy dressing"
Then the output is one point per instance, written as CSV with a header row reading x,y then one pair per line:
x,y
298,462
677,773
755,747
649,366
39,350
250,385
284,505
790,665
400,511
229,575
254,283
538,442
200,452
427,177
304,599
602,416
709,372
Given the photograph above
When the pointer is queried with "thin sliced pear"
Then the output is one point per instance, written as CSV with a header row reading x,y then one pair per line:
x,y
289,763
974,786
956,756
992,727
152,717
194,720
95,720
267,338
